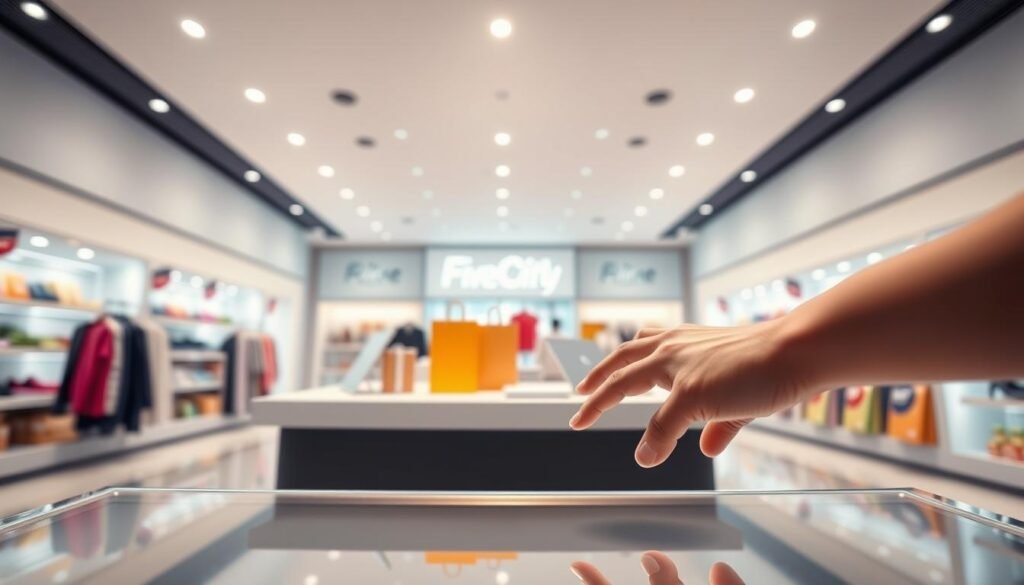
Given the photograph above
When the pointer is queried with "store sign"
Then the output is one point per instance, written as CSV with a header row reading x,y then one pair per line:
x,y
500,273
631,274
370,274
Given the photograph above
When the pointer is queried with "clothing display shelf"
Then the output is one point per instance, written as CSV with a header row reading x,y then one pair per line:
x,y
197,356
963,412
24,402
205,387
824,537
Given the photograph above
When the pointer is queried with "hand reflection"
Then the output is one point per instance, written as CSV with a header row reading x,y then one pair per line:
x,y
660,571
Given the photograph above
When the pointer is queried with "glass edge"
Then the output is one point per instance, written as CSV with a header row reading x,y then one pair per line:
x,y
32,515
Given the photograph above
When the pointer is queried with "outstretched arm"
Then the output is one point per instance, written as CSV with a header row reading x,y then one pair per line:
x,y
949,309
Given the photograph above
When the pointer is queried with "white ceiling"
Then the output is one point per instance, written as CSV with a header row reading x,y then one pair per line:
x,y
433,69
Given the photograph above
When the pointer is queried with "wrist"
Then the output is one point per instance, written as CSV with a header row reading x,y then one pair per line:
x,y
799,342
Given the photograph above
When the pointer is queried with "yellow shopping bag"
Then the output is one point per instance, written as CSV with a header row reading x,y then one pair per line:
x,y
498,346
454,353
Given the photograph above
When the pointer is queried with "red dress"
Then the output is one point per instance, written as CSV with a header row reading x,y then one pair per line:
x,y
527,324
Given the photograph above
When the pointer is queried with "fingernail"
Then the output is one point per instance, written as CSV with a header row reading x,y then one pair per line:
x,y
575,420
650,564
646,455
576,572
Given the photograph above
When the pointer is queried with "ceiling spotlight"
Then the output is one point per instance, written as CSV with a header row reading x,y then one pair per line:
x,y
875,257
86,253
193,29
255,96
935,25
502,211
743,96
325,171
676,171
601,133
843,266
376,226
705,138
835,106
363,211
502,139
502,193
296,139
196,281
252,176
576,194
39,241
640,211
417,171
586,171
748,176
627,226
34,10
818,274
347,193
402,134
296,209
501,28
657,193
502,171
159,106
803,29
706,209
427,194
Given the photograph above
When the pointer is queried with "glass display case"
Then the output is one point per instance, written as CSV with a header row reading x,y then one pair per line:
x,y
135,535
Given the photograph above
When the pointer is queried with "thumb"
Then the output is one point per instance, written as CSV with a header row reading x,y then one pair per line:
x,y
717,435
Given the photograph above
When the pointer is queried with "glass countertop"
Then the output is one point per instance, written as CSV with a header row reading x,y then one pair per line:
x,y
392,538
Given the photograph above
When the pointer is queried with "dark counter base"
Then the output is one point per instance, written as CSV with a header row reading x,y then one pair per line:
x,y
482,461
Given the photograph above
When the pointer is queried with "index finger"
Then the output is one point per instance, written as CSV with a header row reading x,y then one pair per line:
x,y
588,574
625,354
636,378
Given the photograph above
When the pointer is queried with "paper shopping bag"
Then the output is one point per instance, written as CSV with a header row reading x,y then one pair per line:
x,y
455,354
911,416
498,346
398,369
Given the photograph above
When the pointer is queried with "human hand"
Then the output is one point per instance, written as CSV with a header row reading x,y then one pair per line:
x,y
660,571
726,376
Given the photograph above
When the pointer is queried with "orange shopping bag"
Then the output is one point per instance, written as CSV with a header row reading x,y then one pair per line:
x,y
454,353
911,417
498,346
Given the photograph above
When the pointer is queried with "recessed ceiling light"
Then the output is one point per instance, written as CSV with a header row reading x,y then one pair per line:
x,y
939,23
347,193
568,212
296,139
196,281
875,257
252,176
427,194
627,226
843,266
601,133
803,29
743,96
39,241
193,29
325,171
835,106
586,171
34,10
657,193
386,236
705,138
363,211
402,134
502,171
376,226
255,96
159,106
576,194
86,253
502,211
676,171
706,209
417,171
502,193
748,176
502,138
296,209
818,274
501,28
640,211
658,97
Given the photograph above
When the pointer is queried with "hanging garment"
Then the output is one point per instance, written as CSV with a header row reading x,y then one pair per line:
x,y
159,370
412,336
114,380
527,324
269,377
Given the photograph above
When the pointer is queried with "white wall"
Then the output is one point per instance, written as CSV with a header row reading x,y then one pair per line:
x,y
35,204
968,107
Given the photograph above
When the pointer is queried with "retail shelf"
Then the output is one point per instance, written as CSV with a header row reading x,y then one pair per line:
x,y
197,355
995,403
23,402
19,351
48,309
18,460
204,387
187,322
1003,461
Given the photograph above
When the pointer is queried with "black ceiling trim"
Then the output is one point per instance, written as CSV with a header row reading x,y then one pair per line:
x,y
62,42
911,57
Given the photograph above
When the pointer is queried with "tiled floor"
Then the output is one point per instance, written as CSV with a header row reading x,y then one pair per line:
x,y
246,458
